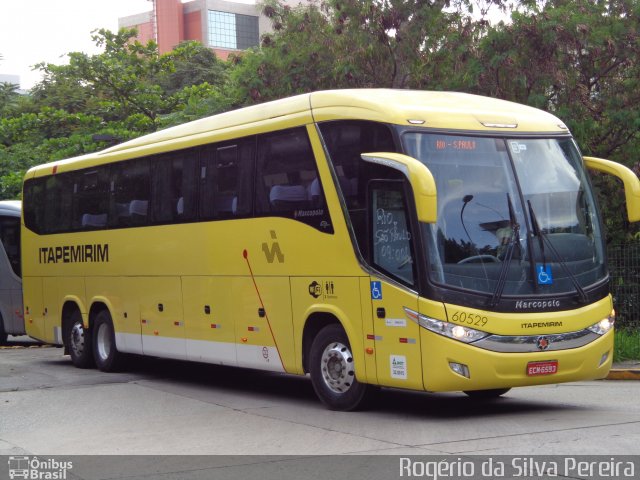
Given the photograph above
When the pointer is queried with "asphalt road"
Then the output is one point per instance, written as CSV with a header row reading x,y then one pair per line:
x,y
162,407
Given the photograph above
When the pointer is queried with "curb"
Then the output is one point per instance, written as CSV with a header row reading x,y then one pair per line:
x,y
623,374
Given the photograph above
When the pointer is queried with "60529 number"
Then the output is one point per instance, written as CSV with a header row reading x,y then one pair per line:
x,y
469,319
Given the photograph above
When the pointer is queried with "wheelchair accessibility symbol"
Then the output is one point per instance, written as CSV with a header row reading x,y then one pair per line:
x,y
376,291
543,274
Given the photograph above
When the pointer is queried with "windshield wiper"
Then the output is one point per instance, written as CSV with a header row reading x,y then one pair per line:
x,y
542,239
513,239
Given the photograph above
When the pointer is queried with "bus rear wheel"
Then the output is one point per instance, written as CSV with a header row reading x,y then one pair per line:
x,y
107,356
487,394
78,342
332,370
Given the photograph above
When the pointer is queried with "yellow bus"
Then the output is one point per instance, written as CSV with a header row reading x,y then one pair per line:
x,y
421,240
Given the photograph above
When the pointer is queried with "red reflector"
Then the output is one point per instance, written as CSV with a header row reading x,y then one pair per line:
x,y
213,325
404,340
55,170
371,337
177,324
542,368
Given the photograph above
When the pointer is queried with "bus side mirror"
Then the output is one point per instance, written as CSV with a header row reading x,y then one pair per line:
x,y
419,176
629,179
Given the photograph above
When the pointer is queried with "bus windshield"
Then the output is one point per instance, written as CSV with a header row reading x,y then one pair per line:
x,y
515,216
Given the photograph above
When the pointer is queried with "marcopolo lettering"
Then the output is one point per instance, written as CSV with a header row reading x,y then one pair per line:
x,y
89,253
538,304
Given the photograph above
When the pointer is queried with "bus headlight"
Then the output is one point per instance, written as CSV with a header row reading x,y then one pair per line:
x,y
451,330
604,325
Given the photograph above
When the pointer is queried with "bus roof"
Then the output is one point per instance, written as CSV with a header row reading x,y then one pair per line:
x,y
438,110
12,208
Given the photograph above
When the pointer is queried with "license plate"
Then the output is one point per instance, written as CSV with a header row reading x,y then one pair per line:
x,y
535,369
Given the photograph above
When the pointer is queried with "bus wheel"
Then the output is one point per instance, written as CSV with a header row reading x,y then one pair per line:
x,y
79,343
108,359
332,370
486,394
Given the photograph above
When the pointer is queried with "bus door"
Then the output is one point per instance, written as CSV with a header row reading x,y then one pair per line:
x,y
397,338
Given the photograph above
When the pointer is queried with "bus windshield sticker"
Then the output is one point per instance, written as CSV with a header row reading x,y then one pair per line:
x,y
376,290
517,147
543,274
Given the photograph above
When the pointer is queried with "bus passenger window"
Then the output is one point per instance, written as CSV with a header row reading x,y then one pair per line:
x,y
288,182
130,193
91,190
57,203
174,187
346,140
226,179
392,245
10,235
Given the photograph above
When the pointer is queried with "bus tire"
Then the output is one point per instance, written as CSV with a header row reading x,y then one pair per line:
x,y
78,342
487,394
107,356
332,370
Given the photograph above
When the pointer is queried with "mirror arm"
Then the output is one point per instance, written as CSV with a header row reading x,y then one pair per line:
x,y
629,179
419,176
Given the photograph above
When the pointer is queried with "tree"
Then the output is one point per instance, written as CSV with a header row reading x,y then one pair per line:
x,y
8,98
363,43
192,64
581,61
115,84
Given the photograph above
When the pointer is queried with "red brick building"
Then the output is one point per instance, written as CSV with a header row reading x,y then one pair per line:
x,y
225,26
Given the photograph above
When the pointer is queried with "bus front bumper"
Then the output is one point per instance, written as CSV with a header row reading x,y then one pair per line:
x,y
450,365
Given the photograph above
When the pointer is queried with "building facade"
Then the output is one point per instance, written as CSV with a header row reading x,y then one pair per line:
x,y
224,26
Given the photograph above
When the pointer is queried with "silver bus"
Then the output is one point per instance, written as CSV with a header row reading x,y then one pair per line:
x,y
11,315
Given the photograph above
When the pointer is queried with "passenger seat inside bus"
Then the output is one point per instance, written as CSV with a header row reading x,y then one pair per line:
x,y
90,220
288,197
138,207
226,204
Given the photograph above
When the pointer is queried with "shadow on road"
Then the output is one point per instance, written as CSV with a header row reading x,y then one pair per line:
x,y
281,387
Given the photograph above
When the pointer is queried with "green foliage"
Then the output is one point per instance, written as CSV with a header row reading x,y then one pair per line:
x,y
197,101
192,64
626,345
125,91
9,98
577,59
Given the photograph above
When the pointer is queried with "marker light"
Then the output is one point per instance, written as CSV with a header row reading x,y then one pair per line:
x,y
457,332
604,325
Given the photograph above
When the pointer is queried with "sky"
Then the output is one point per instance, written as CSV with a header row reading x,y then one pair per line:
x,y
35,31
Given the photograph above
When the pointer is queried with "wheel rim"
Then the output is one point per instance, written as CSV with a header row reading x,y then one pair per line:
x,y
77,339
103,342
337,367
